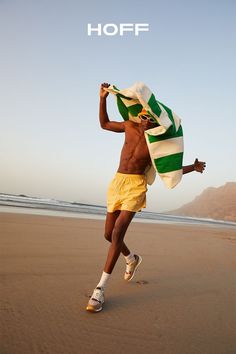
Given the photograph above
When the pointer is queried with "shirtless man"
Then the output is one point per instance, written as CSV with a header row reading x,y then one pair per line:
x,y
126,194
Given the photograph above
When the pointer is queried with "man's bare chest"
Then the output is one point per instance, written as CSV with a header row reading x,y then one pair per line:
x,y
136,144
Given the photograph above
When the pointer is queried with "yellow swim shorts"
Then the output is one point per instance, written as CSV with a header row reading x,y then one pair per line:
x,y
127,192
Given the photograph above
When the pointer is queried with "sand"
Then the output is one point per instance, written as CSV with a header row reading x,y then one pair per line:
x,y
182,299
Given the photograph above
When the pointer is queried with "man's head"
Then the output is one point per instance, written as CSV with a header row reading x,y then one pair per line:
x,y
147,121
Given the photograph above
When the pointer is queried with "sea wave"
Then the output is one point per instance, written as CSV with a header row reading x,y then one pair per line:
x,y
14,202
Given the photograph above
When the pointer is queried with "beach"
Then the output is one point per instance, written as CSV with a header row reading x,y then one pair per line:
x,y
181,300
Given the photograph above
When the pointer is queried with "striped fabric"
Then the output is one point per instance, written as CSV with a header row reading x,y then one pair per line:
x,y
165,142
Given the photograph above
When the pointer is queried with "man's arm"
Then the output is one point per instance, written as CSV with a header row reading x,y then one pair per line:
x,y
198,166
105,123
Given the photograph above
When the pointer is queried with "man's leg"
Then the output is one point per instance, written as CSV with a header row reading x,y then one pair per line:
x,y
109,226
121,225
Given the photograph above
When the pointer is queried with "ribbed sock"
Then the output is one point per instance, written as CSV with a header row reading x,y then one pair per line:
x,y
130,258
103,281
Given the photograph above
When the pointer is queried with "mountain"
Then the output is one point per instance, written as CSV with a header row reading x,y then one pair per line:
x,y
215,203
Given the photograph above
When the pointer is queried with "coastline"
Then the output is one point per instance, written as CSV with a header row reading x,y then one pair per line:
x,y
144,218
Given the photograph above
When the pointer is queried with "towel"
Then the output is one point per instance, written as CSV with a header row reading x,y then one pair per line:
x,y
165,142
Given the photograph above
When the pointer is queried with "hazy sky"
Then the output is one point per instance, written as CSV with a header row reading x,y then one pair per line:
x,y
51,142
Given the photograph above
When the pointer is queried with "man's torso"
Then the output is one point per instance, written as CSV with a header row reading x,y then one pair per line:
x,y
134,155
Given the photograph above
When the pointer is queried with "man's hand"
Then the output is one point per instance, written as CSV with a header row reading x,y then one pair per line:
x,y
199,166
104,93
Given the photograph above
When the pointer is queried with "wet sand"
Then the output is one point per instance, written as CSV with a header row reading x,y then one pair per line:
x,y
182,299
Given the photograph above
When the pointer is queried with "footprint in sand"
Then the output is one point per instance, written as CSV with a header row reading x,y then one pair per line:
x,y
142,282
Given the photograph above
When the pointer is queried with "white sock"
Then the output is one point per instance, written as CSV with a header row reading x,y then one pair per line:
x,y
103,281
130,258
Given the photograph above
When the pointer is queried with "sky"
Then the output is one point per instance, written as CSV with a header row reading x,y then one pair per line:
x,y
51,143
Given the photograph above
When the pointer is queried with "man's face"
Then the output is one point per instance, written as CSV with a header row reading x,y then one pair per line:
x,y
147,122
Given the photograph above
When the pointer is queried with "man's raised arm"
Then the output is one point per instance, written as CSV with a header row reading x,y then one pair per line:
x,y
105,123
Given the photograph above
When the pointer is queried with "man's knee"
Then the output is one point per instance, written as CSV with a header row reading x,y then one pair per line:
x,y
122,223
119,233
121,226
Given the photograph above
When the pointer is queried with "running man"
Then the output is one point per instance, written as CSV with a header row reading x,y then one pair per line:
x,y
126,194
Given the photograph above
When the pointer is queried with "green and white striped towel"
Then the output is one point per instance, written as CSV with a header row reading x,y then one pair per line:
x,y
165,142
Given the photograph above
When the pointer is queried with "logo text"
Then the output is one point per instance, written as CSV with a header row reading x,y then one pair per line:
x,y
111,29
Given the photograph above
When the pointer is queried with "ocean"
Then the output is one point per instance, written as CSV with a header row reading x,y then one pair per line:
x,y
43,206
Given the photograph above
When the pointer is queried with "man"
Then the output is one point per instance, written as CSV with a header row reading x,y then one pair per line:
x,y
126,193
